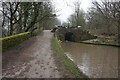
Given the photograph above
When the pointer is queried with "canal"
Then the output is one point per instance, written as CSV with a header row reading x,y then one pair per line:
x,y
96,61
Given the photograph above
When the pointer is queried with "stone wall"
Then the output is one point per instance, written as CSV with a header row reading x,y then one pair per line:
x,y
73,34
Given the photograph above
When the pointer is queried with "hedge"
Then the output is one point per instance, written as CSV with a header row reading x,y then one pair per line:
x,y
11,41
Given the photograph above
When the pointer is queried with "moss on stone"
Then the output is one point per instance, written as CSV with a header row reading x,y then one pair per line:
x,y
11,41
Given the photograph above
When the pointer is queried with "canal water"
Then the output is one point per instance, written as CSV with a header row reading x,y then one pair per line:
x,y
96,61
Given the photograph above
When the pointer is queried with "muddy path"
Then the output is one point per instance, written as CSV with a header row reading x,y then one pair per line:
x,y
31,59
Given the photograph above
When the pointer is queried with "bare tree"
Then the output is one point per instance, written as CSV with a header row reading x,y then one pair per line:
x,y
78,18
23,16
9,11
104,15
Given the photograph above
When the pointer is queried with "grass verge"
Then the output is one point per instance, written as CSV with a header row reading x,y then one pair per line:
x,y
14,40
69,65
97,43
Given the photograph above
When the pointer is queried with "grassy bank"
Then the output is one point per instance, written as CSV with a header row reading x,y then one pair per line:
x,y
69,65
14,40
11,41
99,42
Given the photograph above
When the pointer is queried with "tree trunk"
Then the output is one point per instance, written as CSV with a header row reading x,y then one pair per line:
x,y
3,22
118,10
11,25
108,27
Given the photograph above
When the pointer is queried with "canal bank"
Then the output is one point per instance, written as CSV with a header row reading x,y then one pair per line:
x,y
101,42
65,62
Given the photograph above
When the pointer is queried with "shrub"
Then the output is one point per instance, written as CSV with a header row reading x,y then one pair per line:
x,y
11,41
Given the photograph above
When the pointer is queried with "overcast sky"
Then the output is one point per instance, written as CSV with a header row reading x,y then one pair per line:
x,y
65,8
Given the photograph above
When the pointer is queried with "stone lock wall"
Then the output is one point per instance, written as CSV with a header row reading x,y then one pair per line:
x,y
73,34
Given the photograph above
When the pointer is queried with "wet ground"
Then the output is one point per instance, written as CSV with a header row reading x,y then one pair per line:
x,y
31,59
96,61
